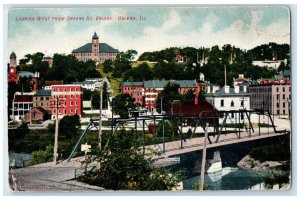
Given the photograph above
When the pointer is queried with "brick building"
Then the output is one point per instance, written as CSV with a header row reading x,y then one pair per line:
x,y
274,97
41,99
37,115
69,99
95,51
145,93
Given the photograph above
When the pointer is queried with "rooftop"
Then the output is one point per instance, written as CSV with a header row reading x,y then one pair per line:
x,y
231,92
22,98
103,48
25,74
43,93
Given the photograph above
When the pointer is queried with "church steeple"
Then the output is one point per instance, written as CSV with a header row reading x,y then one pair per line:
x,y
13,59
95,43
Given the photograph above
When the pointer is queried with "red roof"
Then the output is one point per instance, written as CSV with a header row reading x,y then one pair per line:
x,y
190,109
23,98
48,83
39,109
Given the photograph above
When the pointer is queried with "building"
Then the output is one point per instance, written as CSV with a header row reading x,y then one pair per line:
x,y
37,115
269,63
89,85
240,80
14,75
68,100
274,97
229,99
41,99
98,52
21,104
135,90
49,83
145,93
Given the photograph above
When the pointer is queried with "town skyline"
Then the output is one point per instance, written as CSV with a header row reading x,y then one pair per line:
x,y
164,27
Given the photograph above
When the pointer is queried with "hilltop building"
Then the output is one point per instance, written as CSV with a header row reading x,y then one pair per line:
x,y
98,52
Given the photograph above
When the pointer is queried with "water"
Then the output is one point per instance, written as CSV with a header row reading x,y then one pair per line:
x,y
230,178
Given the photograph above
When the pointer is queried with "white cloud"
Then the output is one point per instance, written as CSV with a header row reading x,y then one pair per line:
x,y
153,38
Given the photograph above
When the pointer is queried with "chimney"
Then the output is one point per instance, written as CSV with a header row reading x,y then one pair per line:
x,y
208,89
226,89
214,89
236,89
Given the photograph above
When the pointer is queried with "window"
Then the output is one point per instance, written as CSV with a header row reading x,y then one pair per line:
x,y
283,105
58,111
242,116
76,103
278,96
71,103
232,115
277,89
283,96
232,104
65,112
222,102
242,103
283,89
277,112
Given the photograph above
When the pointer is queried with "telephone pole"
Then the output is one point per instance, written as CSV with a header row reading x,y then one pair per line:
x,y
56,133
201,185
100,119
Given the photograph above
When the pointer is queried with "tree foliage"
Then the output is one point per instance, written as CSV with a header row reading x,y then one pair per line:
x,y
42,156
124,167
140,73
169,94
69,69
122,104
68,125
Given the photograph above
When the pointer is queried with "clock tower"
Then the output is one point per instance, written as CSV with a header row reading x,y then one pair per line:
x,y
12,66
95,43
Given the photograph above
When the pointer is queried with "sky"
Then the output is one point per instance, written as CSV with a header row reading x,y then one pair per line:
x,y
159,28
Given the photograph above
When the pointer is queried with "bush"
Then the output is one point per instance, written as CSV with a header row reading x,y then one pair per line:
x,y
42,156
168,128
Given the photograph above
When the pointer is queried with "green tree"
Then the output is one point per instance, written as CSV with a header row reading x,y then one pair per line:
x,y
105,96
169,94
140,73
87,94
68,125
124,167
121,104
25,84
107,66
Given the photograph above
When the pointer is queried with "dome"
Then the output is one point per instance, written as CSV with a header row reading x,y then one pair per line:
x,y
13,55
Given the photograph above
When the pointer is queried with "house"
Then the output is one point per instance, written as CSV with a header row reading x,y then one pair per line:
x,y
21,104
41,99
229,99
37,115
14,75
98,52
65,100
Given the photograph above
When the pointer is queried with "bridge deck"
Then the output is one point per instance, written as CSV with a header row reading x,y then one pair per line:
x,y
194,144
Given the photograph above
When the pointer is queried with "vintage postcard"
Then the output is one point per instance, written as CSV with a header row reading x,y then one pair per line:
x,y
149,98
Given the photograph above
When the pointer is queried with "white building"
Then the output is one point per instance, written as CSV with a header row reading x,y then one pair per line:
x,y
269,63
89,85
22,103
229,99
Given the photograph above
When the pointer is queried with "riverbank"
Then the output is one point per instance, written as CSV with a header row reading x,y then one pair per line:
x,y
267,169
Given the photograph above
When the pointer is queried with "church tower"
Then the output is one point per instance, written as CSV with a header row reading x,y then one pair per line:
x,y
95,43
12,65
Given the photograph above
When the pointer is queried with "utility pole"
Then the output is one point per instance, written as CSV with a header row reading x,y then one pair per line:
x,y
225,75
201,185
56,133
100,119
